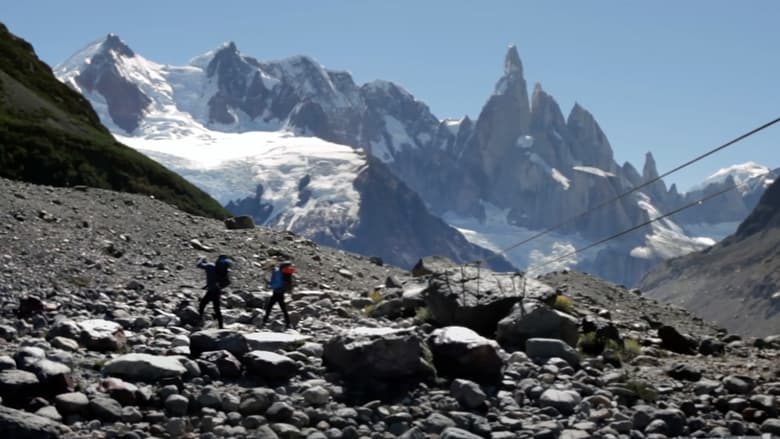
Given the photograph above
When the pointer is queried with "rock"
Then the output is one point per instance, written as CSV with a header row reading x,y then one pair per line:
x,y
392,308
270,365
459,352
75,403
176,427
431,265
565,401
771,426
197,245
29,306
8,332
316,395
7,362
17,386
274,341
19,424
216,340
435,423
468,393
123,392
257,402
379,354
545,348
279,412
673,418
55,378
144,367
711,346
533,319
105,409
738,384
673,341
681,371
176,405
476,300
457,433
228,365
102,335
240,222
49,412
66,344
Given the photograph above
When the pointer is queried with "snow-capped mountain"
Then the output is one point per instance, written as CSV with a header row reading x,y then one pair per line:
x,y
518,168
206,122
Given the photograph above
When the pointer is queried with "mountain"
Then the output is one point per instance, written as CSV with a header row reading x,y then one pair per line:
x,y
225,122
721,215
51,135
518,168
736,282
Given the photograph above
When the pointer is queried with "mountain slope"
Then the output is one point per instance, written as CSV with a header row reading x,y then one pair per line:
x,y
50,135
736,282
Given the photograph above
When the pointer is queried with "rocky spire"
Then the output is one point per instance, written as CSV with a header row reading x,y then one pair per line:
x,y
512,63
113,43
226,58
649,171
589,143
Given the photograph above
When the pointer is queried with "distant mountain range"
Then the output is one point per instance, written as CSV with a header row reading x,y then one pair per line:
x,y
518,168
736,283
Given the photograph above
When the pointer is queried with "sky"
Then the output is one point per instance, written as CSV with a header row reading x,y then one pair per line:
x,y
676,78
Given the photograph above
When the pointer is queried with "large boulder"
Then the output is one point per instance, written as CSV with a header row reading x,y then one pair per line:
x,y
459,352
270,366
102,335
274,341
383,354
477,298
144,367
533,319
432,265
55,378
227,364
19,424
672,340
546,348
217,340
18,386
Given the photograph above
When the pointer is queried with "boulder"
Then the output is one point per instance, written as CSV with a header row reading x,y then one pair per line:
x,y
468,393
274,341
123,392
673,341
55,378
240,222
75,403
476,299
19,424
368,354
546,348
227,363
565,401
105,409
217,340
144,367
270,365
533,319
64,328
459,352
18,386
102,335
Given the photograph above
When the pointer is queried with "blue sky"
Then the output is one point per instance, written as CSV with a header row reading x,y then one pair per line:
x,y
672,77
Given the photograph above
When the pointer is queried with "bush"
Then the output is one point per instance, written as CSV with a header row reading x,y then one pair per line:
x,y
422,315
564,303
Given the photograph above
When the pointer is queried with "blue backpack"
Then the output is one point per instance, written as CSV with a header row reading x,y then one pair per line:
x,y
277,280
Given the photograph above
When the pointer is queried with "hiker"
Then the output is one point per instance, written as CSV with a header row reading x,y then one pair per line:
x,y
281,282
216,279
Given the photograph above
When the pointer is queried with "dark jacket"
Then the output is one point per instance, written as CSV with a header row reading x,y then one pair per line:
x,y
211,275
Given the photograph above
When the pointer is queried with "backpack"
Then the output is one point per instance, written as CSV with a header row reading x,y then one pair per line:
x,y
277,280
222,264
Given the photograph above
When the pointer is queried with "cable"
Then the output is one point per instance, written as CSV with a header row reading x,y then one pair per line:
x,y
630,191
617,235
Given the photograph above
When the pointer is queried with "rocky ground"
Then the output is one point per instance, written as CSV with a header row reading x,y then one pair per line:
x,y
99,337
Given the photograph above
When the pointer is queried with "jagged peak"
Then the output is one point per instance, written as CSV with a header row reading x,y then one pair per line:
x,y
512,61
385,86
111,45
226,49
649,170
115,44
580,114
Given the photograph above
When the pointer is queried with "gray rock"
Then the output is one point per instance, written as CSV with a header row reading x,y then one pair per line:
x,y
240,222
459,352
7,362
546,348
672,340
216,340
673,418
8,332
17,386
49,412
432,265
75,403
435,423
534,319
738,384
257,402
55,378
316,395
279,412
105,409
144,367
565,401
274,341
65,344
468,393
19,424
457,433
123,392
177,405
176,427
228,365
378,354
771,426
270,365
102,335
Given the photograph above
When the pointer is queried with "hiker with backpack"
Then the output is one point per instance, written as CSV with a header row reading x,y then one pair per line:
x,y
216,279
280,282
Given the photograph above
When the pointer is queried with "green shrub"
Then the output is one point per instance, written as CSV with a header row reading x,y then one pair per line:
x,y
422,315
564,303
